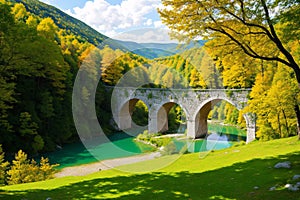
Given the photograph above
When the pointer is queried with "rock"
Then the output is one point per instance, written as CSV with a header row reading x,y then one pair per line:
x,y
288,185
272,188
291,187
286,164
296,177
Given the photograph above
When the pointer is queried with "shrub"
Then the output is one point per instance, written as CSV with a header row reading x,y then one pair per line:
x,y
3,167
24,170
169,149
237,144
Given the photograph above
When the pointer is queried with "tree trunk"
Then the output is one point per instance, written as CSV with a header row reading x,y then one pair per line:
x,y
297,111
296,108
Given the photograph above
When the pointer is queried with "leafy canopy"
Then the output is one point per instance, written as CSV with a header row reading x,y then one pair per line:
x,y
238,25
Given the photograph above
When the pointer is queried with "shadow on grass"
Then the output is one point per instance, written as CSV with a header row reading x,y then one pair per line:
x,y
247,180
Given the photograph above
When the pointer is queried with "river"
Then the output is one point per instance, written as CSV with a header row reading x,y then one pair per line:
x,y
76,154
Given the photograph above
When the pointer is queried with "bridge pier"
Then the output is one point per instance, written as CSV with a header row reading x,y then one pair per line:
x,y
251,126
124,119
159,118
198,127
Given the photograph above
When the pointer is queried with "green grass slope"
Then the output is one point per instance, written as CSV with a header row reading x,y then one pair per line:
x,y
245,172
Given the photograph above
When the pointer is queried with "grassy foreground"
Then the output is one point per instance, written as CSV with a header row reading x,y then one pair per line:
x,y
245,172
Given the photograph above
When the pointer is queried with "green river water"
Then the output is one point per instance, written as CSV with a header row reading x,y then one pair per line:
x,y
76,154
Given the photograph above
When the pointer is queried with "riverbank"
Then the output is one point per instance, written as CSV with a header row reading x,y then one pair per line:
x,y
243,172
86,169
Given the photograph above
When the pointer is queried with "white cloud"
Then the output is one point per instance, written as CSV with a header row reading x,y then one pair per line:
x,y
149,22
46,1
159,24
108,18
146,35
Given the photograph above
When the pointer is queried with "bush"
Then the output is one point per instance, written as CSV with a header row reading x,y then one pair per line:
x,y
169,149
151,138
3,167
24,170
237,144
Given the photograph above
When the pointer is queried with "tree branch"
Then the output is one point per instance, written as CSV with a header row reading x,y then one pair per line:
x,y
248,51
289,57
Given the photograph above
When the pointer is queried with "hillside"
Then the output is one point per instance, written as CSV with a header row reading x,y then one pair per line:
x,y
158,50
65,21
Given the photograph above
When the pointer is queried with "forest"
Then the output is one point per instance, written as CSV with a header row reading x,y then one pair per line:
x,y
40,58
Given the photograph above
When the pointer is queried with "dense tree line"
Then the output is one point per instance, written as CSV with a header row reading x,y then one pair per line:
x,y
255,43
38,63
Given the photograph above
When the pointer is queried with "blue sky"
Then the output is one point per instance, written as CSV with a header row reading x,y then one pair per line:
x,y
119,19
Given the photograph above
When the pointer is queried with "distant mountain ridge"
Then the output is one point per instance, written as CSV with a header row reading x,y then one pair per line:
x,y
157,50
77,27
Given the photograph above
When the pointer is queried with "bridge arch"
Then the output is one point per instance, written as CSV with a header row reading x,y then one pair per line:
x,y
200,126
125,112
159,115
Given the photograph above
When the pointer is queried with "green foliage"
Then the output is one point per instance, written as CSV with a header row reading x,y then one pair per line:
x,y
153,139
185,70
229,93
47,28
46,170
176,117
140,114
3,167
36,85
249,49
24,170
273,99
150,96
227,113
27,127
115,64
169,149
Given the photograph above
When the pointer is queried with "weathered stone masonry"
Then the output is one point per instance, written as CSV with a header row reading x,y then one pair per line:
x,y
195,103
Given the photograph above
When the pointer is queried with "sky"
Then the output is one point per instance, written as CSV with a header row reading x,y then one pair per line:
x,y
129,20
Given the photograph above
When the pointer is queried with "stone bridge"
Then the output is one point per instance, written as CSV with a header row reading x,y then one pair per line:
x,y
195,103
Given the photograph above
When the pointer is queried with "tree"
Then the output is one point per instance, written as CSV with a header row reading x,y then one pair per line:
x,y
3,167
251,27
47,28
19,171
197,79
46,170
19,11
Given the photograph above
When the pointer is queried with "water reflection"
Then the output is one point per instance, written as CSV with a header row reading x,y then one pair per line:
x,y
214,141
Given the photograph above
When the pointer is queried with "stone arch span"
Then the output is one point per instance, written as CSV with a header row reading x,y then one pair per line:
x,y
158,116
125,114
200,126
